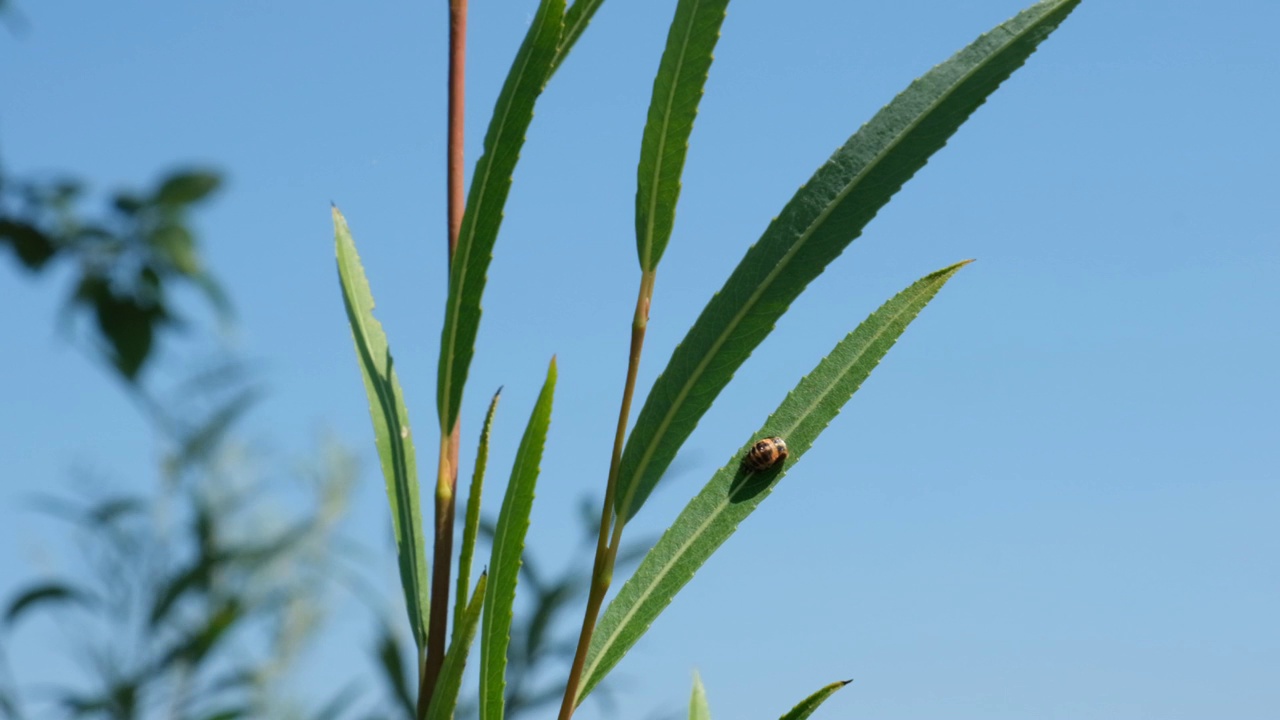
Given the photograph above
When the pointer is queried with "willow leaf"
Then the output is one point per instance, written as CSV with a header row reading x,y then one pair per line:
x,y
391,429
485,201
811,703
677,90
825,215
575,23
471,526
734,491
445,698
698,707
508,546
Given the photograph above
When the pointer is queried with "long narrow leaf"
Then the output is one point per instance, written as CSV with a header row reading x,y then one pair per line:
x,y
677,90
391,662
390,429
46,594
445,698
734,492
485,201
508,546
471,526
575,23
828,213
698,707
811,703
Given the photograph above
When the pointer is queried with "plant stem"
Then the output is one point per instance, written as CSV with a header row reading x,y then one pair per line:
x,y
437,628
447,477
607,546
457,92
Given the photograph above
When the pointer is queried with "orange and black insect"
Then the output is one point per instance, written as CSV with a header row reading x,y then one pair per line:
x,y
765,454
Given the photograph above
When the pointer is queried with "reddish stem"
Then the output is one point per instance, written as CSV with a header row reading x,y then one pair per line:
x,y
457,85
447,477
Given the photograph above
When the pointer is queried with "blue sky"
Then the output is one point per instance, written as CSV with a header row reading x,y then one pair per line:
x,y
1057,497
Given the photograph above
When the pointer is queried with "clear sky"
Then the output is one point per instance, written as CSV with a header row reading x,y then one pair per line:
x,y
1058,496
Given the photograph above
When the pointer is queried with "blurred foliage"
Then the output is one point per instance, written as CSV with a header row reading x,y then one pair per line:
x,y
196,602
128,258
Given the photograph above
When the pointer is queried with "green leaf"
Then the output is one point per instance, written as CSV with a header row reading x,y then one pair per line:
x,y
471,526
677,90
575,23
32,246
734,491
445,698
391,661
337,706
390,429
698,708
483,217
44,594
826,214
176,245
129,326
184,188
508,546
811,703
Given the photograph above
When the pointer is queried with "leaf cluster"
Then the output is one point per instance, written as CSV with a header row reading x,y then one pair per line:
x,y
128,258
825,215
193,603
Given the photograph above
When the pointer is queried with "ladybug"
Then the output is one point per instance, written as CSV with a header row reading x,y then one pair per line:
x,y
765,454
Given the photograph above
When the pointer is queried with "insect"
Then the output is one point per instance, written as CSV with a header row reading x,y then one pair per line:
x,y
765,454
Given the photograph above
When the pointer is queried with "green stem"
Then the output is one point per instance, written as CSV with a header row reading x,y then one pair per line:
x,y
607,543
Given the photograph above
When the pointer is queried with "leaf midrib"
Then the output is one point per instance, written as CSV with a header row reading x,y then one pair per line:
x,y
804,238
452,346
499,541
662,140
719,508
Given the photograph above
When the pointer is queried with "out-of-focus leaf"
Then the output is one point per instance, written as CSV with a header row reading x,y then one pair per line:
x,y
490,184
471,526
811,703
334,709
734,491
129,327
8,705
391,660
32,247
677,90
48,593
194,648
81,706
177,246
216,296
390,429
508,547
113,509
200,443
445,698
184,188
194,577
698,708
128,203
819,222
228,714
